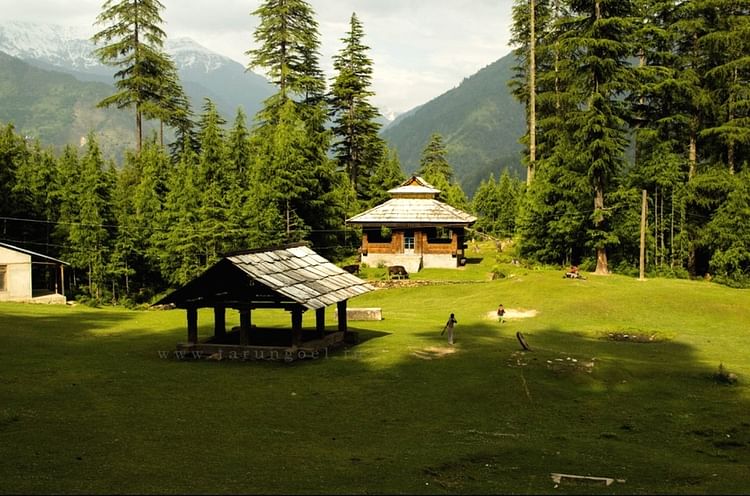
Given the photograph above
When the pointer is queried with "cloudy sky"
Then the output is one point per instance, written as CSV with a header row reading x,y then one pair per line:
x,y
420,48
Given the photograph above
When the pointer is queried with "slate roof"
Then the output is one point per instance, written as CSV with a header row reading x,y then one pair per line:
x,y
414,203
415,186
302,275
413,211
292,273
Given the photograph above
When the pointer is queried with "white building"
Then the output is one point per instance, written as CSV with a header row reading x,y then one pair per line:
x,y
28,276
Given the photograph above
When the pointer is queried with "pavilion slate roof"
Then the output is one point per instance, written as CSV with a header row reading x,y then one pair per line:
x,y
299,273
294,273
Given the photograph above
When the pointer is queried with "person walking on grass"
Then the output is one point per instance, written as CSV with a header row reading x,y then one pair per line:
x,y
500,313
449,327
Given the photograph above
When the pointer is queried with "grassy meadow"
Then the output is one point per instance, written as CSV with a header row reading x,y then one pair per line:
x,y
88,404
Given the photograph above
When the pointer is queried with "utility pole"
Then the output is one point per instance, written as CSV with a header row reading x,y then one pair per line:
x,y
643,238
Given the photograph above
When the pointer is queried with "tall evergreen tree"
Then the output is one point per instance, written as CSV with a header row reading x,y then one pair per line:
x,y
728,234
300,179
89,236
215,181
34,196
288,43
12,153
727,49
496,205
132,40
386,176
596,47
178,244
435,169
357,146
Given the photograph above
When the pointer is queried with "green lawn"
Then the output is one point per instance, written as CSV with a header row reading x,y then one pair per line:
x,y
88,404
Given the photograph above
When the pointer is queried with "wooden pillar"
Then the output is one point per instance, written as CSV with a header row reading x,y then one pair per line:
x,y
245,323
62,279
220,321
320,321
341,307
192,325
296,326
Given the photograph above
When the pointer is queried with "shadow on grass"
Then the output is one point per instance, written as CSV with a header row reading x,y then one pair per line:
x,y
400,416
650,413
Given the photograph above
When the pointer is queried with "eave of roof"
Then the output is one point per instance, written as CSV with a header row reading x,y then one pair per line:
x,y
32,253
295,273
413,211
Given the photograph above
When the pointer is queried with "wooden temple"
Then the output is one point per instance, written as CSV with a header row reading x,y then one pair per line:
x,y
413,229
293,278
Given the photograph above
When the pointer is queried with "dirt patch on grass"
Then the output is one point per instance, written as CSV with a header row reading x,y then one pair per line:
x,y
634,336
433,352
512,314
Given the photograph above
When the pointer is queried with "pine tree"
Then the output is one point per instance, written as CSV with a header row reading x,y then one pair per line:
x,y
357,146
386,176
138,200
12,153
215,184
293,142
596,46
726,45
132,40
88,243
435,169
169,104
728,234
496,204
34,197
178,245
287,38
284,170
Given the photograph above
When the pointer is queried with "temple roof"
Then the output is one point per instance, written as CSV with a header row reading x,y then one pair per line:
x,y
414,203
415,185
413,211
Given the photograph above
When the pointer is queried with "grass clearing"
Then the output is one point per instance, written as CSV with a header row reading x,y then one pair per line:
x,y
88,404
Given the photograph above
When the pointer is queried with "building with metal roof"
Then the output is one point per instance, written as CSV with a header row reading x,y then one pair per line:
x,y
293,278
413,229
28,276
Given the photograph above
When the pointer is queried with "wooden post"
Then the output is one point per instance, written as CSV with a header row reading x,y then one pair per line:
x,y
245,323
62,279
220,321
643,237
192,325
296,326
320,321
341,307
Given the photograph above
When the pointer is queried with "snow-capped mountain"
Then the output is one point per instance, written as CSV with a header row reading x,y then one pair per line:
x,y
188,54
69,47
59,46
204,74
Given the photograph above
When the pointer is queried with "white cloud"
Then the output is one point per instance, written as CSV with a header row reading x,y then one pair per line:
x,y
419,48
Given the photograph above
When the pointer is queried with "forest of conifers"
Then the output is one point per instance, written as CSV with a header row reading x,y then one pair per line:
x,y
622,97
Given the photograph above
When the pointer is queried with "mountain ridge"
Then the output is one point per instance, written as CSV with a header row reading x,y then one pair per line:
x,y
204,73
481,124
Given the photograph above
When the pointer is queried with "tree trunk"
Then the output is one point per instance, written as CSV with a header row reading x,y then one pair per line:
x,y
532,92
602,267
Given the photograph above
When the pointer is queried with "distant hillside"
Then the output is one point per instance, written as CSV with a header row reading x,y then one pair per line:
x,y
481,124
58,109
203,73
